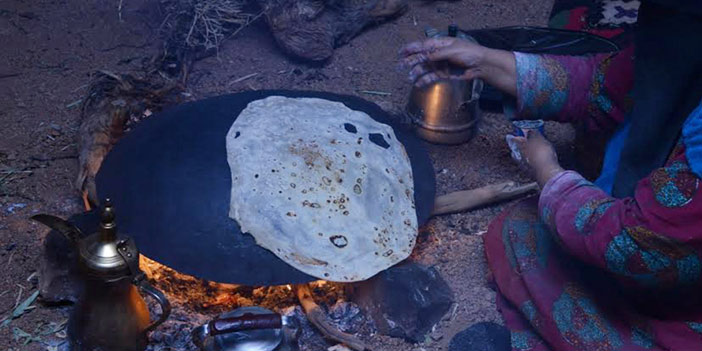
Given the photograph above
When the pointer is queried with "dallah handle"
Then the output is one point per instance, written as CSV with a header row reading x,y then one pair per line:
x,y
128,251
248,321
145,287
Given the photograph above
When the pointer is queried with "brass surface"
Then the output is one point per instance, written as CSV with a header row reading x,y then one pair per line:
x,y
98,252
109,317
110,314
447,111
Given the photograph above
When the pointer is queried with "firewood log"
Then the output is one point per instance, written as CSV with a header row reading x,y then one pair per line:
x,y
311,29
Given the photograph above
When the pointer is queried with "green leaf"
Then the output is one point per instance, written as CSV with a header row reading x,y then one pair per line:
x,y
25,306
26,338
53,327
18,333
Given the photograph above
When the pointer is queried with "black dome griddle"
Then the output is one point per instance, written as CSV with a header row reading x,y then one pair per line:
x,y
170,183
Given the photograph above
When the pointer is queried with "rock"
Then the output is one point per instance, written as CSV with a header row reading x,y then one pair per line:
x,y
55,130
58,276
308,337
171,336
339,347
347,316
405,301
484,336
16,206
436,336
59,280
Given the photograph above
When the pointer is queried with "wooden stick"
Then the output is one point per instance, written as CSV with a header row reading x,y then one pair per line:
x,y
86,202
320,320
465,200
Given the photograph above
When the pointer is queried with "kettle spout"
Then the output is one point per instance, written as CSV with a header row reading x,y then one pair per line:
x,y
68,230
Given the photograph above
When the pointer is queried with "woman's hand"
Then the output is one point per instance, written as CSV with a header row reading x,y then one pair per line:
x,y
428,59
540,155
432,60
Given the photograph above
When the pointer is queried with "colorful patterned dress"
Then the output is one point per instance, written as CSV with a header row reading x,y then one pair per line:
x,y
577,269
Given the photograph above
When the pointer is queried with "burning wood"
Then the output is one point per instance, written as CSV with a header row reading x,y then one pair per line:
x,y
320,319
203,295
196,300
199,294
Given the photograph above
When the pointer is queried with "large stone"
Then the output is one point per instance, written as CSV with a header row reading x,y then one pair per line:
x,y
484,336
58,279
405,301
347,316
309,338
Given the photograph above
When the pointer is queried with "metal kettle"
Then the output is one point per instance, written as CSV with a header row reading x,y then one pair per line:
x,y
110,314
446,111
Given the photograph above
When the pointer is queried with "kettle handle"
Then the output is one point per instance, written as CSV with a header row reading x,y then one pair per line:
x,y
147,288
127,249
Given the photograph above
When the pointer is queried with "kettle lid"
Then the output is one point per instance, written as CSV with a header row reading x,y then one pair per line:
x,y
100,254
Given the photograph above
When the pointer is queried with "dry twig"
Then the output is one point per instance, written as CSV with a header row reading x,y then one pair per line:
x,y
319,318
112,101
202,24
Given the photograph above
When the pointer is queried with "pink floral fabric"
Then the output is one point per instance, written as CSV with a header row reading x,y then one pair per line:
x,y
579,270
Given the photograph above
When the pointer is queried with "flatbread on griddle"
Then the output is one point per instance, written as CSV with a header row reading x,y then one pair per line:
x,y
327,189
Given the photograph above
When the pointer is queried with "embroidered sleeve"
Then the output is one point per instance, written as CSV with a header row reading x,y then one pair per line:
x,y
652,239
593,90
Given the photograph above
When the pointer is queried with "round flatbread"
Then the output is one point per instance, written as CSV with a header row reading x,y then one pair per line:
x,y
327,189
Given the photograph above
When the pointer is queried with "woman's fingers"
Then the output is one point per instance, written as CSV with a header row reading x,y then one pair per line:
x,y
415,59
418,71
427,79
437,71
420,75
533,135
411,49
520,141
425,46
449,53
427,56
468,74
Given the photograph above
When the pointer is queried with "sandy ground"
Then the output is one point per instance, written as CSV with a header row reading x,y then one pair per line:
x,y
50,47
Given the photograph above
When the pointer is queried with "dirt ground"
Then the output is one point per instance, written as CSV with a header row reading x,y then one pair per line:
x,y
49,48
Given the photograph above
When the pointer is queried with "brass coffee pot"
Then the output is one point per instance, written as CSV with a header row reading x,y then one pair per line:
x,y
110,314
446,111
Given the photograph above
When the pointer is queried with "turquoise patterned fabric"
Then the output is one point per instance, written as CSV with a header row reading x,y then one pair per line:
x,y
692,137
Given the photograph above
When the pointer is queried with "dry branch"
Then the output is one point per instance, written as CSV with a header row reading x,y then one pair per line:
x,y
112,100
319,318
460,201
201,24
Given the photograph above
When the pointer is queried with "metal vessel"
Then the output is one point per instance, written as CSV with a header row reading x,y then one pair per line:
x,y
446,111
250,328
110,314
